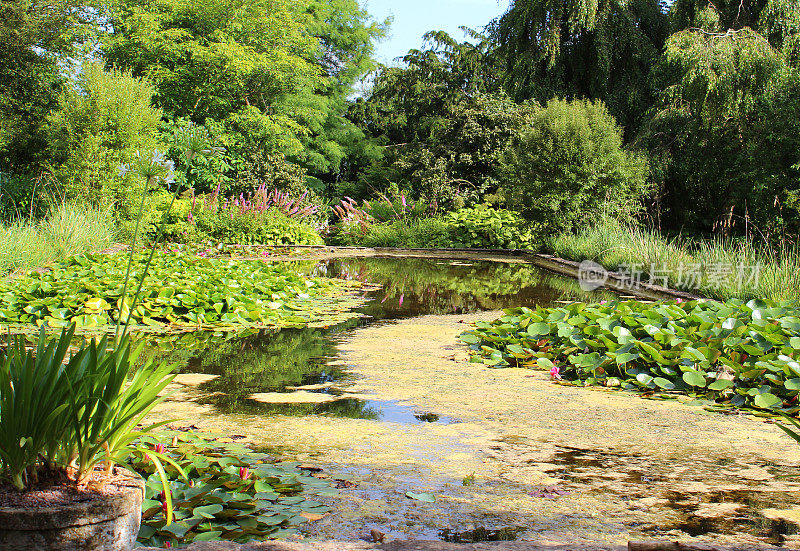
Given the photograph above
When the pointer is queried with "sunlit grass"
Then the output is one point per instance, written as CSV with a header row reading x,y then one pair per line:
x,y
66,230
717,268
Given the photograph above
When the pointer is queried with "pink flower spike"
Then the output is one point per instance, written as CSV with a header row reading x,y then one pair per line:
x,y
603,301
400,303
244,473
555,372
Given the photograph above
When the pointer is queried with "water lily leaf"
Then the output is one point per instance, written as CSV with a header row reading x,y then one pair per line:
x,y
538,329
177,529
720,384
207,511
666,384
544,363
211,535
767,400
694,378
422,496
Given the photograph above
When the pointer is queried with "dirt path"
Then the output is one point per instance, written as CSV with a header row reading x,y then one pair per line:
x,y
526,458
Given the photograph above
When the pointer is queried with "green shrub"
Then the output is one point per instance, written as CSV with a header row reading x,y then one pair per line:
x,y
424,233
569,164
485,227
190,220
270,228
103,121
476,227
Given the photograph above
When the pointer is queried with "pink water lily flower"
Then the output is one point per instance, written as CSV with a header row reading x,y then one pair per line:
x,y
159,448
244,473
555,372
678,300
603,301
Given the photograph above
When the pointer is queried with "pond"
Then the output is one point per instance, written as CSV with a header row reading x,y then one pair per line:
x,y
390,403
251,368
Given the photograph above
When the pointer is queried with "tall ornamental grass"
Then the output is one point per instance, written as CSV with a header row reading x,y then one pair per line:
x,y
67,229
719,268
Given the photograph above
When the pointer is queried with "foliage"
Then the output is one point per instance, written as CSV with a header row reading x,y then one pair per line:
x,y
725,132
422,233
716,268
68,229
441,128
723,354
586,49
102,122
569,164
232,494
485,227
67,415
477,227
182,289
274,73
234,220
34,36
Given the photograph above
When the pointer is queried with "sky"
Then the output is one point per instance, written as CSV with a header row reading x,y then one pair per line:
x,y
413,18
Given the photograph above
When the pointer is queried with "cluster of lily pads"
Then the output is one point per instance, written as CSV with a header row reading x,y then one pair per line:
x,y
723,354
182,288
225,492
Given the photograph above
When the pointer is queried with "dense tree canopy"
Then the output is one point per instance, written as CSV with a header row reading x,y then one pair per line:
x,y
34,37
581,49
275,72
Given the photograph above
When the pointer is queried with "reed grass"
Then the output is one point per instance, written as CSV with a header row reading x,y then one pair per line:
x,y
66,230
720,268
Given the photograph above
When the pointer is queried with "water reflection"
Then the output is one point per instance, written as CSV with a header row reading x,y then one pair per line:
x,y
419,286
268,361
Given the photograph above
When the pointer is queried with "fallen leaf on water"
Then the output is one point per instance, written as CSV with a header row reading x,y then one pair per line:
x,y
422,496
312,516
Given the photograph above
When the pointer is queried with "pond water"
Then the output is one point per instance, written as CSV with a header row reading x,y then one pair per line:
x,y
389,402
250,368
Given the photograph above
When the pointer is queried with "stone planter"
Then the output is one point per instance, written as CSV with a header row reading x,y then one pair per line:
x,y
104,523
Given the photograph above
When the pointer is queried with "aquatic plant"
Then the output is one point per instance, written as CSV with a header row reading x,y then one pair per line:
x,y
723,354
230,493
182,288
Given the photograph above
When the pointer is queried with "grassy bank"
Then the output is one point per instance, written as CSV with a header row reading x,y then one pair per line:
x,y
66,230
716,268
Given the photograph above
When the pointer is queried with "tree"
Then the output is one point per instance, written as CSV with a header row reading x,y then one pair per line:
x,y
275,73
724,132
568,166
441,129
34,37
593,49
103,120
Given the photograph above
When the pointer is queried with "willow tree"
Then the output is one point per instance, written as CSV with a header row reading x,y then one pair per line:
x,y
594,49
726,132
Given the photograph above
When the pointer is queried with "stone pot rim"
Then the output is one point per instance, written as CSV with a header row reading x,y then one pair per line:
x,y
99,508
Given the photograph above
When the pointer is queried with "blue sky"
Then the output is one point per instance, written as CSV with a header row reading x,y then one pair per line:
x,y
413,18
